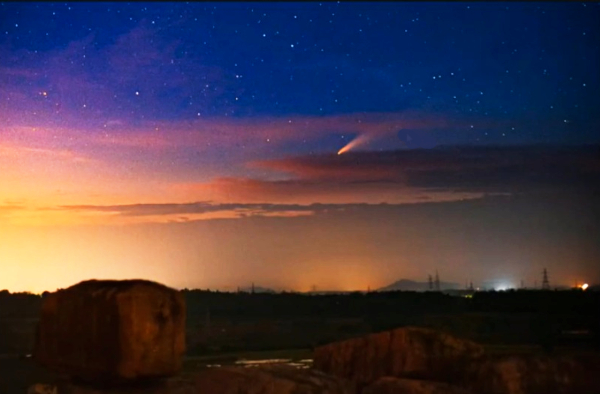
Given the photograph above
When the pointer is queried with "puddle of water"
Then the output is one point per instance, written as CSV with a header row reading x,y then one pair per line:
x,y
301,364
265,361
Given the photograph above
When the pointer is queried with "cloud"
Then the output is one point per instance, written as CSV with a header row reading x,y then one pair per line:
x,y
409,176
9,207
188,161
313,191
242,210
467,168
493,237
183,140
19,152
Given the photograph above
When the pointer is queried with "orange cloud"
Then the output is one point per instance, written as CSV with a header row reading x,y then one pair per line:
x,y
118,162
310,192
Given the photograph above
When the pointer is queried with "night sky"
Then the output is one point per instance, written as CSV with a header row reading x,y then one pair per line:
x,y
337,145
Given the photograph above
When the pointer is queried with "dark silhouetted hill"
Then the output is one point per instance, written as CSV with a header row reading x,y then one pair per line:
x,y
411,285
257,289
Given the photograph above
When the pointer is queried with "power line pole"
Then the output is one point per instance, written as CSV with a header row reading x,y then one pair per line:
x,y
437,281
545,282
430,282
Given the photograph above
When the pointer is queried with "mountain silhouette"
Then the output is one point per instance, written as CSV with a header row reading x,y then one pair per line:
x,y
257,289
411,285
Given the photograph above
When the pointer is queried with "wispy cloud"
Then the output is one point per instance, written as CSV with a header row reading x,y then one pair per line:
x,y
173,213
453,167
7,208
20,152
189,208
177,213
411,176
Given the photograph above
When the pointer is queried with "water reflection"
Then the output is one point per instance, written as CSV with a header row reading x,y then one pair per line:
x,y
300,364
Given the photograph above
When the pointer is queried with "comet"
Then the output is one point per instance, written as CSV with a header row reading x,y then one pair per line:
x,y
361,139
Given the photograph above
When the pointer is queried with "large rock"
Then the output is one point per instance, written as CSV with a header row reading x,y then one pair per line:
x,y
40,388
112,331
536,374
404,352
391,385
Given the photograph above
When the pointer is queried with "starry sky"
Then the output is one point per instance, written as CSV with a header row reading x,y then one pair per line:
x,y
341,145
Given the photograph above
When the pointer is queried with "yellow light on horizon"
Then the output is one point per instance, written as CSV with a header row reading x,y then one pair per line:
x,y
584,286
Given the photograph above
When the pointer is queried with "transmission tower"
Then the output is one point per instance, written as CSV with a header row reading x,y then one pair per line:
x,y
430,282
545,282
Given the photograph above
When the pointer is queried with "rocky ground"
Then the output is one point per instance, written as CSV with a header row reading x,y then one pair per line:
x,y
109,337
402,361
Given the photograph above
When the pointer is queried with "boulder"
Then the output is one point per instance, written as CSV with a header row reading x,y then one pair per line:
x,y
406,352
112,331
391,385
41,388
536,374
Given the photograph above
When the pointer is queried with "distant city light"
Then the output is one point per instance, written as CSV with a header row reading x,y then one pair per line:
x,y
584,286
503,286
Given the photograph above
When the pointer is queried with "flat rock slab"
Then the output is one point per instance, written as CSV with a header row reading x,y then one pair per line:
x,y
407,352
391,385
40,388
535,374
112,331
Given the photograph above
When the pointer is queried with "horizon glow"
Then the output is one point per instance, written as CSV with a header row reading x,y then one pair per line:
x,y
336,145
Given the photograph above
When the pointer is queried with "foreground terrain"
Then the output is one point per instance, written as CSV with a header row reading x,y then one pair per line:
x,y
225,329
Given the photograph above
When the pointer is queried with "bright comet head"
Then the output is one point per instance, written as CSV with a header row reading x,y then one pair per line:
x,y
361,139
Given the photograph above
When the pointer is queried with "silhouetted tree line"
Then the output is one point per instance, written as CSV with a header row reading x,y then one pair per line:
x,y
303,320
523,316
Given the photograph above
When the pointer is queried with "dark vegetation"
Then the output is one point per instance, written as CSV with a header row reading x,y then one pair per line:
x,y
219,323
